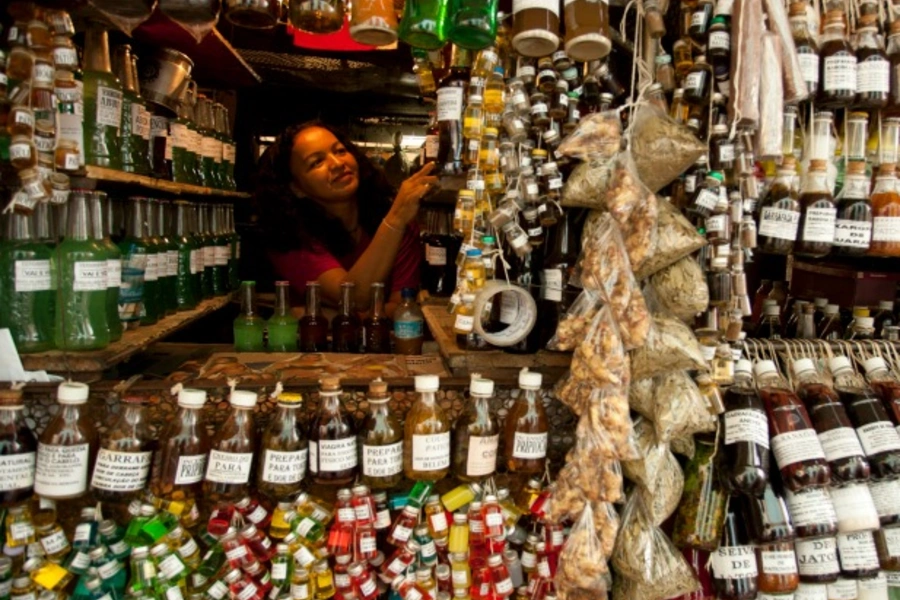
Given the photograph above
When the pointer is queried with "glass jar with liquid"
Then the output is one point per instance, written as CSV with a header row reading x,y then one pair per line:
x,y
837,69
426,448
885,202
67,447
779,212
476,435
332,438
18,445
231,451
817,213
125,456
526,429
381,441
284,451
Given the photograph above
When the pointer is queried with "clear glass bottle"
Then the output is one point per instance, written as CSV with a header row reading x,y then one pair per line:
x,y
18,445
248,327
873,71
284,451
131,158
885,202
746,434
426,449
377,326
281,327
476,435
409,324
381,441
231,452
134,252
313,324
333,456
526,429
102,94
807,47
779,212
424,24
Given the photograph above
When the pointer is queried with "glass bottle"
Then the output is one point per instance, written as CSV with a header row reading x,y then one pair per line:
x,y
885,385
772,535
26,291
893,53
476,435
807,48
101,221
346,327
207,250
67,447
248,326
885,214
18,445
853,227
535,27
125,456
231,451
450,94
586,25
873,71
698,83
102,94
746,434
817,213
281,327
377,327
794,442
313,324
769,327
373,22
526,429
187,288
81,268
132,158
831,327
180,462
282,461
178,143
409,324
701,512
134,250
381,441
426,449
837,68
332,438
168,258
151,303
779,212
472,24
222,252
424,24
733,565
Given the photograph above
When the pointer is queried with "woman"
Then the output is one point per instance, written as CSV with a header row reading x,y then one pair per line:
x,y
327,214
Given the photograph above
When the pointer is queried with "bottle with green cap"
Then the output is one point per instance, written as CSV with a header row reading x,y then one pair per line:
x,y
231,452
249,327
707,194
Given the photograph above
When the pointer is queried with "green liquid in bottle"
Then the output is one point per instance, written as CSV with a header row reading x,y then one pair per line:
x,y
100,223
234,241
209,250
102,103
249,326
168,270
187,292
282,326
134,266
151,309
221,253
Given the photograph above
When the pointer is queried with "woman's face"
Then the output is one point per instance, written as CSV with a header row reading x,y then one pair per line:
x,y
322,168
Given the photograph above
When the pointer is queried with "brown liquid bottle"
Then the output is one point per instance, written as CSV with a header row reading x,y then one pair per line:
x,y
817,213
893,53
231,452
377,327
885,385
885,214
180,463
837,66
313,325
67,448
733,565
284,451
853,228
779,212
873,71
746,435
381,441
450,94
332,439
426,439
345,327
807,50
526,429
18,445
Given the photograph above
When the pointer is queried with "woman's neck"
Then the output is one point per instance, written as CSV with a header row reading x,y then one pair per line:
x,y
346,212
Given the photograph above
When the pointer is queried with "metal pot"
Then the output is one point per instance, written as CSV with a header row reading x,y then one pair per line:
x,y
191,12
164,76
253,14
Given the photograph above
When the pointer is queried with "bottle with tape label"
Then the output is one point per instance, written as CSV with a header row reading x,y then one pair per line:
x,y
794,442
134,157
18,445
876,432
853,228
885,385
450,102
873,71
746,434
102,102
817,213
81,272
779,211
222,252
476,435
67,447
426,442
733,565
284,451
526,429
332,438
885,209
231,451
837,67
26,287
381,441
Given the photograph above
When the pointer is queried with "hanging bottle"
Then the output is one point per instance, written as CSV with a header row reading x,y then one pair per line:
x,y
885,210
377,326
313,324
284,451
18,445
187,289
807,48
67,447
772,535
332,438
873,71
80,264
151,304
281,328
450,95
526,428
381,441
426,450
231,451
125,456
248,327
817,213
476,435
746,434
837,66
853,227
779,212
424,24
472,24
373,22
134,266
345,327
535,27
733,565
178,144
885,385
102,102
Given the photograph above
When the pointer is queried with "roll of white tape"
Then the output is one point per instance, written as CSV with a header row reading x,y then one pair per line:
x,y
517,310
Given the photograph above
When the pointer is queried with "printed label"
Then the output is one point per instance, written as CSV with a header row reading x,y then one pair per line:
x,y
854,507
337,455
839,443
61,470
151,272
16,471
878,437
382,461
432,144
873,588
892,540
819,225
191,469
221,254
109,106
842,589
20,151
796,446
464,323
449,104
873,75
113,273
196,261
172,263
852,234
809,66
779,223
694,81
140,121
734,562
435,256
886,229
482,459
121,471
817,557
409,330
746,425
720,40
431,452
811,507
65,57
553,285
284,467
884,495
698,19
229,467
90,276
857,551
32,276
530,445
171,566
779,562
840,73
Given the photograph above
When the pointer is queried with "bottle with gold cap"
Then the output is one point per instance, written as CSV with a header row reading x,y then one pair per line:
x,y
381,441
332,438
17,449
284,452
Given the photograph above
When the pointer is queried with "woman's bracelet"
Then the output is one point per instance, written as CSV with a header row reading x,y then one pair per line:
x,y
389,226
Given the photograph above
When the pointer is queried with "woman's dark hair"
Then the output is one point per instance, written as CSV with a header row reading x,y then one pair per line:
x,y
290,222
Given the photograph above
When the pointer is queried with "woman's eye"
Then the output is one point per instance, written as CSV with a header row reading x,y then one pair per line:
x,y
341,151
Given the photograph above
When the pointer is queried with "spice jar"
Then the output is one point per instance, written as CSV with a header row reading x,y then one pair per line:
x,y
44,137
19,63
60,22
535,27
20,121
664,71
698,83
586,23
22,153
66,156
59,188
38,35
540,112
33,184
546,76
65,57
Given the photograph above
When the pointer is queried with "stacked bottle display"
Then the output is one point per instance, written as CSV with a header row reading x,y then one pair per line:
x,y
65,114
111,266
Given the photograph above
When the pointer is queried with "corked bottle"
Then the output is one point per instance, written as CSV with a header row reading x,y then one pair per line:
x,y
779,212
837,67
284,452
381,441
873,71
853,228
332,439
817,213
18,445
885,214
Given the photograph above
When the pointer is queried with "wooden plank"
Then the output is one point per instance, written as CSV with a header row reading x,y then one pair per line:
x,y
88,364
149,183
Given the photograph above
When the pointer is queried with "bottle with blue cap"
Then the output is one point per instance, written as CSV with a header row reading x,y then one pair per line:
x,y
231,456
527,428
426,448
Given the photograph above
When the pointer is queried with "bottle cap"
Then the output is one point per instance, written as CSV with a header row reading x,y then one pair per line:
x,y
191,398
803,365
243,399
292,398
530,380
494,560
330,384
717,175
481,386
72,392
865,322
473,252
886,305
720,128
839,364
378,387
743,366
765,367
876,363
832,309
408,293
427,383
772,311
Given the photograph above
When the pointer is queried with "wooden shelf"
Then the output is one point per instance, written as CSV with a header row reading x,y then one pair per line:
x,y
90,365
95,175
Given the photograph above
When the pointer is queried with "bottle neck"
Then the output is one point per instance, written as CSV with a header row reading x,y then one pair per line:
x,y
96,51
313,306
330,401
378,408
481,407
377,301
150,220
124,72
287,412
20,227
248,300
346,300
160,220
282,300
98,230
427,398
136,228
816,182
78,227
181,220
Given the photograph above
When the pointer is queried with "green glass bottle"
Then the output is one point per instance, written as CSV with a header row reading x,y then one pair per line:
x,y
44,226
187,290
209,249
129,140
225,164
199,250
472,24
229,151
221,252
100,214
234,241
79,264
151,310
134,265
424,24
249,326
102,102
141,123
196,139
168,282
203,121
180,141
282,326
26,291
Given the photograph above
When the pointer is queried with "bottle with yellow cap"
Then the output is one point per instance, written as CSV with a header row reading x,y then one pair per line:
x,y
381,441
284,452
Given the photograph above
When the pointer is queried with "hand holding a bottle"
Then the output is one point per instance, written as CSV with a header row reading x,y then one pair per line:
x,y
406,204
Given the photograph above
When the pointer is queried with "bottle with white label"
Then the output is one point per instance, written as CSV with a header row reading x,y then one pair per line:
x,y
102,223
102,102
476,435
26,291
873,71
231,452
746,434
526,430
284,451
168,258
67,447
135,252
17,449
152,306
381,441
450,104
885,205
80,269
837,67
779,211
853,228
426,440
817,213
332,438
135,158
733,565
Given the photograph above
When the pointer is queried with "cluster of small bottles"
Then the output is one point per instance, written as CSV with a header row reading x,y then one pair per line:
x,y
824,523
74,276
284,332
60,115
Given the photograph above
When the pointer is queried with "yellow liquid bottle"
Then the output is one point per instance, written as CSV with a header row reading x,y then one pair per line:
x,y
459,534
324,580
493,91
280,526
460,571
473,118
426,447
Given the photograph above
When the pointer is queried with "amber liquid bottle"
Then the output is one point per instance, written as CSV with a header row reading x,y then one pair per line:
x,y
779,212
381,441
426,439
313,324
873,71
377,327
772,535
817,213
67,448
345,327
18,445
746,435
180,463
283,452
231,452
476,435
885,214
733,565
837,65
526,429
332,439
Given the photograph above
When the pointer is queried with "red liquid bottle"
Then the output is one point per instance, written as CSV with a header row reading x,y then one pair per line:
x,y
313,325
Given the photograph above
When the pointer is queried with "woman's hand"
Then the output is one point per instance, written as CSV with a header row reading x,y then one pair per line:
x,y
406,204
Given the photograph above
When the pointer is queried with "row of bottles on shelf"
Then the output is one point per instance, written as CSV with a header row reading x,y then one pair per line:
x,y
284,332
109,266
821,320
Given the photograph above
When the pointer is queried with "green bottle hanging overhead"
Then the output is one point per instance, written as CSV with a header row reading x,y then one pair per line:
x,y
102,102
424,23
472,24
